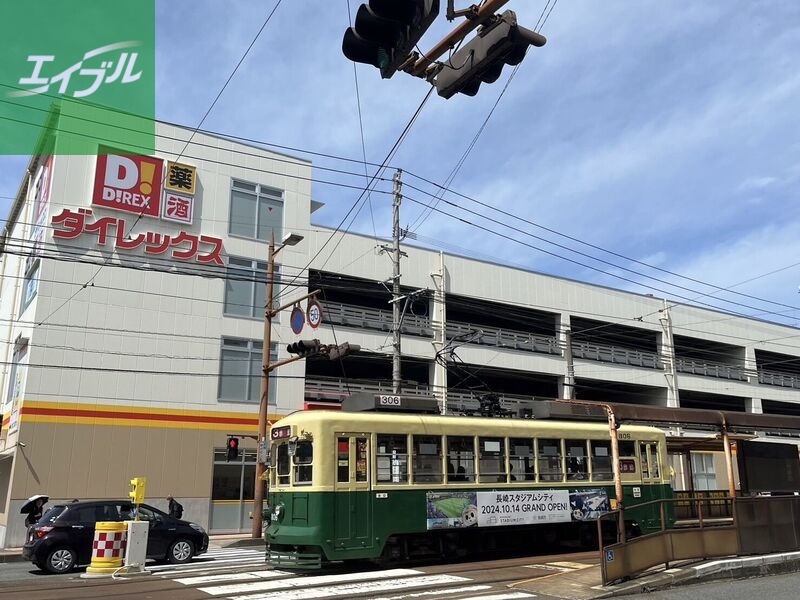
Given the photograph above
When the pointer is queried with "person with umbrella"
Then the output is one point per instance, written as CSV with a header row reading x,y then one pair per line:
x,y
34,508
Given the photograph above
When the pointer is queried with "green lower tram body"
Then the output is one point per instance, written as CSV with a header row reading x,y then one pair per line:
x,y
308,529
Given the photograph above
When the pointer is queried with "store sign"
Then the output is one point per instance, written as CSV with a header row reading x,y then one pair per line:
x,y
129,183
180,178
177,208
71,224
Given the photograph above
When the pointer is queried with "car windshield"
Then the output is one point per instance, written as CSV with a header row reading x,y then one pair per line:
x,y
52,513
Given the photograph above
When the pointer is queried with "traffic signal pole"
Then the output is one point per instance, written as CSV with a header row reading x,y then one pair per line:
x,y
267,366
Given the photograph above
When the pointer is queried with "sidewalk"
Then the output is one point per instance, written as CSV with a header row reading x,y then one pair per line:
x,y
231,540
586,584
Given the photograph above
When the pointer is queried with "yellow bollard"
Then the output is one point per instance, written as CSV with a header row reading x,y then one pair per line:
x,y
108,548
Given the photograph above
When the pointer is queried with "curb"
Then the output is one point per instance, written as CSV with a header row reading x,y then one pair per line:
x,y
11,557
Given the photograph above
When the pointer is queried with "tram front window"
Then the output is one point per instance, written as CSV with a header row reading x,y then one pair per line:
x,y
302,459
282,464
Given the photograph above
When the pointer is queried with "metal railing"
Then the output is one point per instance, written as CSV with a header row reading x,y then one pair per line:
x,y
616,355
706,369
779,379
375,319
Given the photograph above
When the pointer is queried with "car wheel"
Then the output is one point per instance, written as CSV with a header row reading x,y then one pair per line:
x,y
181,551
60,560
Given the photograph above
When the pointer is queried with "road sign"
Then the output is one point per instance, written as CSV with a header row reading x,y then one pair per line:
x,y
297,319
314,313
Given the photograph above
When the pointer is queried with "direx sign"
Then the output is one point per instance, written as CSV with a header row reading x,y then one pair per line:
x,y
130,183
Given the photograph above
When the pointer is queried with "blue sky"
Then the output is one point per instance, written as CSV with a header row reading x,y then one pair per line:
x,y
666,133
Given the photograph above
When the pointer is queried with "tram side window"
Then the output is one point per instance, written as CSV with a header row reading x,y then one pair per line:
x,y
362,455
343,460
643,460
392,458
521,458
282,464
302,459
577,465
460,458
549,456
427,459
627,457
492,459
602,469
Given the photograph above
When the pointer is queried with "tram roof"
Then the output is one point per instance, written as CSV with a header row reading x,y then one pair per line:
x,y
355,420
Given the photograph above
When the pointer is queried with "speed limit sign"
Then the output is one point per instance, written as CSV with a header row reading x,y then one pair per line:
x,y
314,314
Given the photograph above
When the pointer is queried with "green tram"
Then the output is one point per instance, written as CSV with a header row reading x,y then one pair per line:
x,y
372,486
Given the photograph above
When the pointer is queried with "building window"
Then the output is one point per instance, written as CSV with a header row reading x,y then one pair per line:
x,y
31,284
256,211
245,288
240,370
703,475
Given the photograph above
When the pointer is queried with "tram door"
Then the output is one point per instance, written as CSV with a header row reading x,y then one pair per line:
x,y
353,505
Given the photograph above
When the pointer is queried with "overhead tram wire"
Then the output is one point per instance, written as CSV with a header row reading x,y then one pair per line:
x,y
588,244
216,99
374,177
576,262
600,260
220,162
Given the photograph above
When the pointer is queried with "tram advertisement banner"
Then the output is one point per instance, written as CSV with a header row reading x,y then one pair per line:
x,y
452,509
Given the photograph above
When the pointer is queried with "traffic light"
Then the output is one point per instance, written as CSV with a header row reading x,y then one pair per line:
x,y
138,485
233,449
497,44
304,348
386,31
342,350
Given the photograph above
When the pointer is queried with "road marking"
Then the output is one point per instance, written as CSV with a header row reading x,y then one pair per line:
x,y
243,576
437,593
315,580
352,589
502,596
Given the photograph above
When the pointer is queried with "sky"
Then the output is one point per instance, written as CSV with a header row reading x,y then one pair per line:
x,y
648,146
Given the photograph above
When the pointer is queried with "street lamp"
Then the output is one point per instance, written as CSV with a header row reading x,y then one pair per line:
x,y
289,239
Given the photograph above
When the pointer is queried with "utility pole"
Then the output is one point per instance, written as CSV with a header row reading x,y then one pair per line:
x,y
397,199
569,378
668,356
290,239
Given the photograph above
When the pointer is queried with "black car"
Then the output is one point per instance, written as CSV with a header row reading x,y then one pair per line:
x,y
62,539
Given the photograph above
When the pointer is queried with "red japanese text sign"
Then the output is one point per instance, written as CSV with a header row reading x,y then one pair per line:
x,y
69,225
130,183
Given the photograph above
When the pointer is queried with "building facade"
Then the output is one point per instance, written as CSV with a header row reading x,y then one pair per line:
x,y
131,316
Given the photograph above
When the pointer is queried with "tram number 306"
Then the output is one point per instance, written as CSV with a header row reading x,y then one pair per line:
x,y
389,400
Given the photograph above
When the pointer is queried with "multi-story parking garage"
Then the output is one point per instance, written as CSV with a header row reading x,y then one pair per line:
x,y
132,340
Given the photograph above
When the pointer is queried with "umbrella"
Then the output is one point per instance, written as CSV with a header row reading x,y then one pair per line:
x,y
28,506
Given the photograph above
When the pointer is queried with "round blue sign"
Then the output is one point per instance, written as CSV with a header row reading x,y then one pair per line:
x,y
297,319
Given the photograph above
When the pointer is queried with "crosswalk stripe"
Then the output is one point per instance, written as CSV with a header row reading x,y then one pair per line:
x,y
502,596
242,576
314,580
208,569
350,589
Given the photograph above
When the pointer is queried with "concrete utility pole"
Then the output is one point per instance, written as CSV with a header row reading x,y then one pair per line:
x,y
668,356
569,377
397,199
